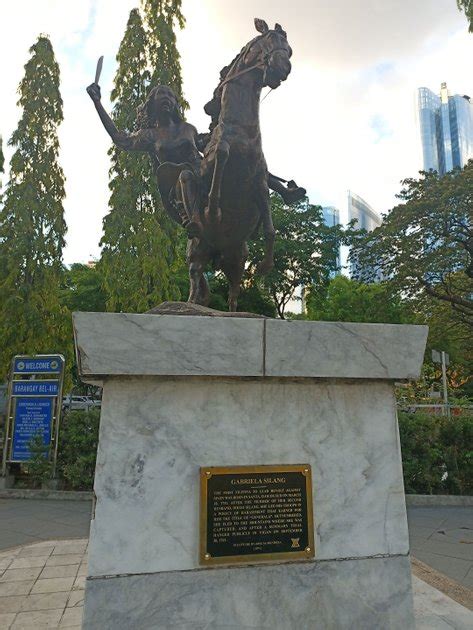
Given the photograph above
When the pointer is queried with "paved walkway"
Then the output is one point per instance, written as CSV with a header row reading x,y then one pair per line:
x,y
42,586
442,537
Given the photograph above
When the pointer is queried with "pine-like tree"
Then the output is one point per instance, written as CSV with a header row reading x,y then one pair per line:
x,y
161,17
2,159
139,242
32,226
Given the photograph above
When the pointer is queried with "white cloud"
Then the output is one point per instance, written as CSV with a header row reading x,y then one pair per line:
x,y
345,118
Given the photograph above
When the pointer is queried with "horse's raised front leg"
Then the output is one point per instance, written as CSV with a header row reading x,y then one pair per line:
x,y
222,152
264,206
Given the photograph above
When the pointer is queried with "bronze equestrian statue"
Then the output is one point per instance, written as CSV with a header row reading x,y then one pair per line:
x,y
222,197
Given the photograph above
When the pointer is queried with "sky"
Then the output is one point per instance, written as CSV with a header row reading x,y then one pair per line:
x,y
344,119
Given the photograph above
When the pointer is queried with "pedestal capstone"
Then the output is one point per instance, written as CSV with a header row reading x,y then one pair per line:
x,y
182,392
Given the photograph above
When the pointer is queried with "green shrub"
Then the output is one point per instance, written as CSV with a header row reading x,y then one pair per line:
x,y
38,467
437,453
78,440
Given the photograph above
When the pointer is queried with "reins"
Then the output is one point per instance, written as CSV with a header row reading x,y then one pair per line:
x,y
261,64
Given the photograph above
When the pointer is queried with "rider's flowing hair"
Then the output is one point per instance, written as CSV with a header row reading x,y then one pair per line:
x,y
146,114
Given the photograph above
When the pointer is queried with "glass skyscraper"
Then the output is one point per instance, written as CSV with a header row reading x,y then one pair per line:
x,y
331,219
446,129
366,219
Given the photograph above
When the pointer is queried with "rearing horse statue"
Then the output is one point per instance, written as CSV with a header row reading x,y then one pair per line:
x,y
223,197
234,170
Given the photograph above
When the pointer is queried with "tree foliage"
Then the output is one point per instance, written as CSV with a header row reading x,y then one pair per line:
x,y
32,226
140,242
2,159
425,245
346,300
467,7
77,450
82,289
437,453
305,253
161,18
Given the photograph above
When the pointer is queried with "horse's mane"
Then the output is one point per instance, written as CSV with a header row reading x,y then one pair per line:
x,y
212,108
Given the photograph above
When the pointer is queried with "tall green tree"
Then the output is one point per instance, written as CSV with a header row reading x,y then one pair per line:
x,y
425,245
2,159
32,226
161,19
83,289
467,7
140,243
305,254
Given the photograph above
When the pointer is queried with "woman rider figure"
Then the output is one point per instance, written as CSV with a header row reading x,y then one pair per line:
x,y
173,146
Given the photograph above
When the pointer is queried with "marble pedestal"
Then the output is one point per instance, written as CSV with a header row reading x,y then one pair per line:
x,y
182,392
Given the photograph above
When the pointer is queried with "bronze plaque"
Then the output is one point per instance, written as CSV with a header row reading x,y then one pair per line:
x,y
256,514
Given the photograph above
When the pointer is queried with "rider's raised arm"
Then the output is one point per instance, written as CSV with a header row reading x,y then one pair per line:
x,y
138,141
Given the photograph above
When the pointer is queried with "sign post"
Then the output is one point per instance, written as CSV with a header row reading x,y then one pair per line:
x,y
443,358
34,407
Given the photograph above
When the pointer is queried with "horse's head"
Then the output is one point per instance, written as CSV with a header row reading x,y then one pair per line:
x,y
271,52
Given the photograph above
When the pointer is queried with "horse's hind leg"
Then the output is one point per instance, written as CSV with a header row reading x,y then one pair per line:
x,y
197,258
233,266
221,157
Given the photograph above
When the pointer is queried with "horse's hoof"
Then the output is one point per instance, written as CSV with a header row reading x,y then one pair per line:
x,y
264,267
193,229
213,216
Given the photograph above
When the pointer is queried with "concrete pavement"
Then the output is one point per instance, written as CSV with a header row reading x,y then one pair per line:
x,y
24,521
42,586
442,537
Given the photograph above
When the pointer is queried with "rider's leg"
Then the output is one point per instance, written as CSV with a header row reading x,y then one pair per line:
x,y
189,193
221,156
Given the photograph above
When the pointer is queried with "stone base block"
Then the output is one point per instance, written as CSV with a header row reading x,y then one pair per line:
x,y
366,594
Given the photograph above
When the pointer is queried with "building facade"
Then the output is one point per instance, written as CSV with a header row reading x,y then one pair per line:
x,y
331,219
366,219
446,129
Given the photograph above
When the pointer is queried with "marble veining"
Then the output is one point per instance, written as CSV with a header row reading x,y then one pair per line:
x,y
112,344
349,595
156,433
131,344
344,350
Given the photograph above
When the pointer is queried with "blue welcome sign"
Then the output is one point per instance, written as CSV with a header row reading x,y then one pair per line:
x,y
38,365
34,406
33,416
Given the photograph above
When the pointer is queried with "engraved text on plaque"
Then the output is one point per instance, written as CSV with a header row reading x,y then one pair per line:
x,y
256,513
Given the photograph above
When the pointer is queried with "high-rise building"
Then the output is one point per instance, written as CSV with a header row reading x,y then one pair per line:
x,y
358,209
446,129
331,219
331,216
366,219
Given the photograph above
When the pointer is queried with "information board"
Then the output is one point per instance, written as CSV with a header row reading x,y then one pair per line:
x,y
256,513
33,416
